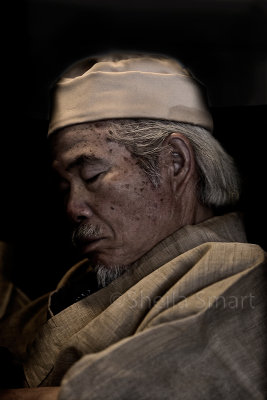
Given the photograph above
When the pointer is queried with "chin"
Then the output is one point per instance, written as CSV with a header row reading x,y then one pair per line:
x,y
105,261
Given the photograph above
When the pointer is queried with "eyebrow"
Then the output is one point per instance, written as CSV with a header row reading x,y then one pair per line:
x,y
85,159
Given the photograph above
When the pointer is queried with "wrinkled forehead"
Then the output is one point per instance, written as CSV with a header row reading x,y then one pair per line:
x,y
89,136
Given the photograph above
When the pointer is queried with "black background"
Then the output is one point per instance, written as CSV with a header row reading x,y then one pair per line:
x,y
223,42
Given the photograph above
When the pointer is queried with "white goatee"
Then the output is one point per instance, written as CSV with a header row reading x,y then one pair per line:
x,y
105,274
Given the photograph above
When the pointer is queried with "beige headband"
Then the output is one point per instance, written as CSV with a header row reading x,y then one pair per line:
x,y
132,87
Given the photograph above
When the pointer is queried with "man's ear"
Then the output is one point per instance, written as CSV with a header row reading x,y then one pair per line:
x,y
181,163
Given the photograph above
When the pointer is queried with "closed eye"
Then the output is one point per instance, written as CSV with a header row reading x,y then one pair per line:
x,y
93,178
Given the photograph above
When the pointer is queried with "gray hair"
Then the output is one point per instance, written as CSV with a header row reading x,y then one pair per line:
x,y
218,183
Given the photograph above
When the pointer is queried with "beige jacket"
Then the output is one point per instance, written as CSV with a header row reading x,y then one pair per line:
x,y
186,322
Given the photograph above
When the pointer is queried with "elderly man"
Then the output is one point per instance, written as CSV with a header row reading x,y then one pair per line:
x,y
167,300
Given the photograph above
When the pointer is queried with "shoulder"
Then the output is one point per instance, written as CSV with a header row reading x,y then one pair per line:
x,y
231,256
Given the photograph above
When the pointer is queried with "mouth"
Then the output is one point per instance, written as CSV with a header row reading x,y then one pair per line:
x,y
89,245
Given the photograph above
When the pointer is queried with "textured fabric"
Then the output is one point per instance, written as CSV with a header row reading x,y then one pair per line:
x,y
186,322
147,87
72,292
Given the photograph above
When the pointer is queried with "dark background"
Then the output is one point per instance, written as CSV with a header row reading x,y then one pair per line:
x,y
224,42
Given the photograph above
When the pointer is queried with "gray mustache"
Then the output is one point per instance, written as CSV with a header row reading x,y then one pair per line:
x,y
85,232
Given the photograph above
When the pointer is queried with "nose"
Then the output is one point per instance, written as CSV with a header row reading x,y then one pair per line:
x,y
77,206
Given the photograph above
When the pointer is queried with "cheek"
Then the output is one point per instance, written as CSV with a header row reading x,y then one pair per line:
x,y
136,206
129,198
122,201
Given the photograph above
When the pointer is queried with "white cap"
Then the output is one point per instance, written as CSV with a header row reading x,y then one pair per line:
x,y
128,86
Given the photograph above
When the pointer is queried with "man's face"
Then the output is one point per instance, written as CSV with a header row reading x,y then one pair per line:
x,y
117,214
